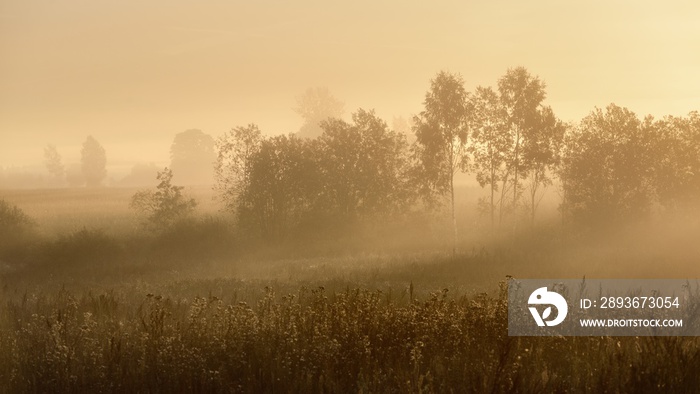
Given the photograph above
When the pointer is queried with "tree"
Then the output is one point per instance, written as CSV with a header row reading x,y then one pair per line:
x,y
364,166
141,175
192,157
93,162
74,175
676,158
281,188
53,162
166,205
352,172
441,137
315,106
606,168
232,169
521,95
490,144
541,152
403,126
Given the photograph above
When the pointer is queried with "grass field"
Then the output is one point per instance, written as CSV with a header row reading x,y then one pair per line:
x,y
193,310
58,211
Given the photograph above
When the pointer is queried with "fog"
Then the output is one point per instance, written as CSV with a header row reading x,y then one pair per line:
x,y
316,196
133,75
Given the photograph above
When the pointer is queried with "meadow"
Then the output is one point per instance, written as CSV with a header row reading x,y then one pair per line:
x,y
91,302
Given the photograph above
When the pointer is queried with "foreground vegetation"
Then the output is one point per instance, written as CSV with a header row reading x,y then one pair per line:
x,y
313,340
200,307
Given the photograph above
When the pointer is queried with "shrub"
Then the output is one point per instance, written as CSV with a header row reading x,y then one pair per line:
x,y
166,205
12,218
15,226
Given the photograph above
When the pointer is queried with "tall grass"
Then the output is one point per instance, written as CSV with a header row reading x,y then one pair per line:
x,y
314,340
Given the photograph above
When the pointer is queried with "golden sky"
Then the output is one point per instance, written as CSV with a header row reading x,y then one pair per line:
x,y
135,73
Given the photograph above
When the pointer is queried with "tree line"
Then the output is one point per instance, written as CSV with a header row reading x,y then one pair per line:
x,y
192,156
609,166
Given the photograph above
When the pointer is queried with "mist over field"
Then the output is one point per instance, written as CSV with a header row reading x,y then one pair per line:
x,y
312,197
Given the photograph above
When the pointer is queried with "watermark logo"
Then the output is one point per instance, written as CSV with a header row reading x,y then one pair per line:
x,y
543,297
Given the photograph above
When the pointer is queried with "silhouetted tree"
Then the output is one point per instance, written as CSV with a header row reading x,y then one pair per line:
x,y
315,106
93,162
232,170
521,95
490,146
606,168
352,172
541,152
676,160
441,137
364,166
192,157
53,162
281,187
166,205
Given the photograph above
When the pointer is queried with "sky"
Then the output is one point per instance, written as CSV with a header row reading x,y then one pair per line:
x,y
135,73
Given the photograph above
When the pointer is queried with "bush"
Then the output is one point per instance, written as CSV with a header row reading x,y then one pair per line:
x,y
194,239
13,219
86,248
166,205
15,228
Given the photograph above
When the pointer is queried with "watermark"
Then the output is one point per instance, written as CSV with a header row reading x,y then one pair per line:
x,y
603,307
543,297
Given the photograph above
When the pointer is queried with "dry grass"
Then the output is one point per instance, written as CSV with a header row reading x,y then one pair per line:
x,y
185,311
315,341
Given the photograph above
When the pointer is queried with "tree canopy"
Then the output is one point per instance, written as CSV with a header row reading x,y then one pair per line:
x,y
192,157
93,162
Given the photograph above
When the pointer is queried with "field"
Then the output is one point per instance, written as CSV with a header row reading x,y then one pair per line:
x,y
90,302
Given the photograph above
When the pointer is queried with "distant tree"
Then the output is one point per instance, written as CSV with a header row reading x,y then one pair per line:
x,y
315,106
93,162
441,138
74,175
403,126
541,152
192,157
232,169
281,188
676,159
166,205
141,175
606,169
364,166
521,95
490,145
352,172
53,162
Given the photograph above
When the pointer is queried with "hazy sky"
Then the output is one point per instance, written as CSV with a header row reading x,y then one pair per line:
x,y
135,73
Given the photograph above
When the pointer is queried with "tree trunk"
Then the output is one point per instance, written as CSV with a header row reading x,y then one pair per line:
x,y
454,217
533,196
516,165
493,208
